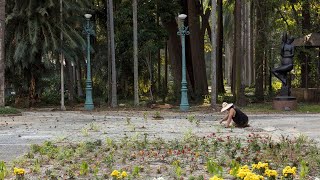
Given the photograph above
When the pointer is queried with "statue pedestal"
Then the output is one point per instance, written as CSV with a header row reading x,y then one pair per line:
x,y
284,103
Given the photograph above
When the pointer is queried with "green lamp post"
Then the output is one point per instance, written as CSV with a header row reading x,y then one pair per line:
x,y
88,30
183,31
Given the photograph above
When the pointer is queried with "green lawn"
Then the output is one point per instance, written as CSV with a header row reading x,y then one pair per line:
x,y
8,110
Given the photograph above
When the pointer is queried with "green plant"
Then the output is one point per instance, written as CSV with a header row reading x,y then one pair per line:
x,y
71,173
213,168
85,132
304,169
36,166
136,171
177,168
128,120
157,114
109,142
234,165
145,116
35,148
197,121
145,139
109,160
207,99
84,168
94,127
191,118
3,170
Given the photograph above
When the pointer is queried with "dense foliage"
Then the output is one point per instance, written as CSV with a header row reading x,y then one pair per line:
x,y
33,44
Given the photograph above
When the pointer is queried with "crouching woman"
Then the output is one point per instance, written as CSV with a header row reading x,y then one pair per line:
x,y
234,116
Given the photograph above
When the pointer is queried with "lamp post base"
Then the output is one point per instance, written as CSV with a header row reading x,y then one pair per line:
x,y
184,107
89,107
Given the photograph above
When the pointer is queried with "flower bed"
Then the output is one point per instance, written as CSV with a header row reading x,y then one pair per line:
x,y
140,157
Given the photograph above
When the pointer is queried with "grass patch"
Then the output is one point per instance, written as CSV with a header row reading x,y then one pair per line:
x,y
259,107
307,108
266,107
8,110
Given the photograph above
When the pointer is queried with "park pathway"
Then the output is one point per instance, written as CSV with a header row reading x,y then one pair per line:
x,y
17,133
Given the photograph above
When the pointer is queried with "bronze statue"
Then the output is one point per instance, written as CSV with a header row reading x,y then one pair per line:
x,y
287,53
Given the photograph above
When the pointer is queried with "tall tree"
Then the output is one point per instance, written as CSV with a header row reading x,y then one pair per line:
x,y
135,52
260,8
219,53
197,57
213,56
62,106
114,102
237,50
2,51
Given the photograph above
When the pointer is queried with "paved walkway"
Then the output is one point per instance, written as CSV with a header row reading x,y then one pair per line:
x,y
17,133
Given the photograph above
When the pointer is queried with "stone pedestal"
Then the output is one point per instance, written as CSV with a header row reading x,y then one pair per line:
x,y
284,103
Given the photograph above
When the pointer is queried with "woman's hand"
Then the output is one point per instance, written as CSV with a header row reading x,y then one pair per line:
x,y
221,121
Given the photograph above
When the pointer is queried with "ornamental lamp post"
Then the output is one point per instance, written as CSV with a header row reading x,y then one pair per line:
x,y
183,31
88,30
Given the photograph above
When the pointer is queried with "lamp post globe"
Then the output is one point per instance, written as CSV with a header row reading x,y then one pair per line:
x,y
88,16
183,31
88,30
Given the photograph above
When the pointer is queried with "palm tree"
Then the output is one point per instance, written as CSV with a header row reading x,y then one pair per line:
x,y
35,34
2,50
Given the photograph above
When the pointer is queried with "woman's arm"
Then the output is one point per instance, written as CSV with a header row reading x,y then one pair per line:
x,y
230,115
225,118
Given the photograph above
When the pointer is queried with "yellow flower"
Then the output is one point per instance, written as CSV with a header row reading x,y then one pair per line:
x,y
115,173
197,154
18,171
243,172
252,176
124,174
216,178
289,170
260,165
271,173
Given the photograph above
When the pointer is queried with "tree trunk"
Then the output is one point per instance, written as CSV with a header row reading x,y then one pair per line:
x,y
242,100
32,89
251,43
70,82
109,58
78,78
148,63
238,50
174,48
159,60
165,83
306,80
114,102
228,60
198,64
62,106
2,52
135,52
214,56
220,78
260,47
